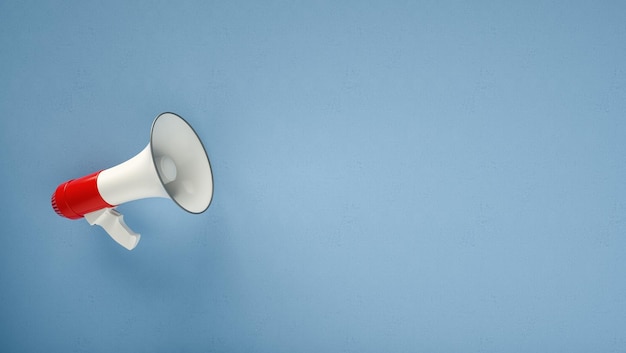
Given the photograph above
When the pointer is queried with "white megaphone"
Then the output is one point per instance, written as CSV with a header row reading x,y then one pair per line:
x,y
174,165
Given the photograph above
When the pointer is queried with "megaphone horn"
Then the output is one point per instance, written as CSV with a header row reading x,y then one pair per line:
x,y
173,165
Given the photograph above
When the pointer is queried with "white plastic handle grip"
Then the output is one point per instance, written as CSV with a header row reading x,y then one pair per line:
x,y
113,223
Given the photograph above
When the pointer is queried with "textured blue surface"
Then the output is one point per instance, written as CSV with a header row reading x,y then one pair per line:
x,y
390,176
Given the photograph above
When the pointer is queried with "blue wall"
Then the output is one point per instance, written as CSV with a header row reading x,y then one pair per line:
x,y
389,176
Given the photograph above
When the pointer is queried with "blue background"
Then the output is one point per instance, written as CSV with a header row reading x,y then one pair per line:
x,y
399,176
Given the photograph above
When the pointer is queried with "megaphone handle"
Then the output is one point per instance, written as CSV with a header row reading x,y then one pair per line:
x,y
113,223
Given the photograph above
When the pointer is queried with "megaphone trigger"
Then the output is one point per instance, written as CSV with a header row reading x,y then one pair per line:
x,y
113,223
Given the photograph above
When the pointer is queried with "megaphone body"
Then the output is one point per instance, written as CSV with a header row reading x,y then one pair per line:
x,y
173,165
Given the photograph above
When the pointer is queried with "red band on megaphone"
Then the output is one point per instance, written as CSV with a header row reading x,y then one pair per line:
x,y
74,198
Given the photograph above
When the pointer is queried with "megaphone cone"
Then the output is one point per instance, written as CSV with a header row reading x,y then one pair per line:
x,y
173,165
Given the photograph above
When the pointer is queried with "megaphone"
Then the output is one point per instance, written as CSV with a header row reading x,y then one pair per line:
x,y
173,165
